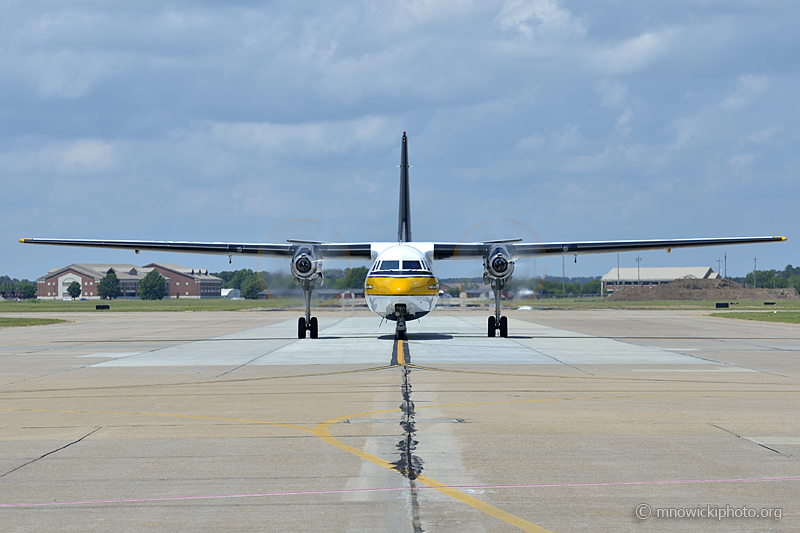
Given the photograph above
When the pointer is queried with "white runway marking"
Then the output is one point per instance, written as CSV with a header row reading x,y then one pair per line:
x,y
433,340
111,355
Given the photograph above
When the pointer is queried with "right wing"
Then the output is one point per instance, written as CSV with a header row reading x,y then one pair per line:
x,y
522,250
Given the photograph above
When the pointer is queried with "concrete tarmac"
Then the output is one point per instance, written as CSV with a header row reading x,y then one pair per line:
x,y
226,421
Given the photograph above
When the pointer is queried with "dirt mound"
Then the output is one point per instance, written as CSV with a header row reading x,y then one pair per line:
x,y
701,289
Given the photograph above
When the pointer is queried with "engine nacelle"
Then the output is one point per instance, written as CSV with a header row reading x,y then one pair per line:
x,y
498,264
305,264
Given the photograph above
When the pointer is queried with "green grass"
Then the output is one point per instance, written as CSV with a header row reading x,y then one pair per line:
x,y
599,303
790,317
6,322
170,305
224,304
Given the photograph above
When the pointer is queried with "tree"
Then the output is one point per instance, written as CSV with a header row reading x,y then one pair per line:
x,y
591,287
250,288
108,288
29,291
74,290
794,281
153,286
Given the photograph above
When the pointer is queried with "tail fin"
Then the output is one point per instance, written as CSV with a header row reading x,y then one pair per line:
x,y
404,221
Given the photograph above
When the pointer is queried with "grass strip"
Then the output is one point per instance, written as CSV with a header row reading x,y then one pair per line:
x,y
124,305
8,322
789,317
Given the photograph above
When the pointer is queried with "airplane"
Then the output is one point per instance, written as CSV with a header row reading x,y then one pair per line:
x,y
401,286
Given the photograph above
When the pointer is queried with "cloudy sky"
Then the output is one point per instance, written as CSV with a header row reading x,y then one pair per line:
x,y
261,121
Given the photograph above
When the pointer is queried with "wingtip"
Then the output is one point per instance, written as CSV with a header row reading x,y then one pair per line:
x,y
782,238
24,241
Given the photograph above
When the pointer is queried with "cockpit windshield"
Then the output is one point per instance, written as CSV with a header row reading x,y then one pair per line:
x,y
407,266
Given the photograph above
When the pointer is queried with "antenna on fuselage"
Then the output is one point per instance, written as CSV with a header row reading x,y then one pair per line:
x,y
404,220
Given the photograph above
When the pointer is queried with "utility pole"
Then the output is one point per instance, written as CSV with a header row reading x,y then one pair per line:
x,y
755,283
617,288
719,267
638,276
726,265
563,279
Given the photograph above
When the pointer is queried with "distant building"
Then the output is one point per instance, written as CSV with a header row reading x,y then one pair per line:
x,y
652,277
188,282
180,281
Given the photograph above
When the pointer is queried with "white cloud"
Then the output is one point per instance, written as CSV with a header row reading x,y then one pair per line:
x,y
763,136
634,54
303,140
77,157
623,123
748,87
612,93
532,16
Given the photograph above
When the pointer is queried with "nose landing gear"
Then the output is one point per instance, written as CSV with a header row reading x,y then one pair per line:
x,y
308,323
400,312
497,322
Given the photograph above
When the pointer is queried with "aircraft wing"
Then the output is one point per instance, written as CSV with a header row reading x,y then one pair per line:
x,y
522,250
323,250
441,251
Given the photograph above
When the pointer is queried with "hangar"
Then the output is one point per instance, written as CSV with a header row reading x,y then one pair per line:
x,y
619,278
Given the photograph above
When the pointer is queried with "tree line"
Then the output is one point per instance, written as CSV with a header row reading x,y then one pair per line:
x,y
250,283
19,286
772,279
549,286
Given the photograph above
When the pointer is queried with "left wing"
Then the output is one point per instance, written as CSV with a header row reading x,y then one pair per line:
x,y
322,250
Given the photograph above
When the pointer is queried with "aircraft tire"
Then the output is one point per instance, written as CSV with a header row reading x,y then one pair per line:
x,y
503,326
301,328
314,327
492,326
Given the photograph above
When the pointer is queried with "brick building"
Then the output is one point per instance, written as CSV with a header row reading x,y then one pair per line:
x,y
188,282
180,281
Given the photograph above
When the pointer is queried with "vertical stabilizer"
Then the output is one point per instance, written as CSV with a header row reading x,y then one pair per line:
x,y
404,221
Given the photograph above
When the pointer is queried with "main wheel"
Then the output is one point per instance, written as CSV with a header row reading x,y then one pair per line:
x,y
503,326
314,327
492,326
301,328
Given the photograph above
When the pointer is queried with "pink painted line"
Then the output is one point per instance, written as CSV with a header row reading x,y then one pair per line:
x,y
612,483
456,487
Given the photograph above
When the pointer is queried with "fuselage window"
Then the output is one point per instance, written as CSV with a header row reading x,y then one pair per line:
x,y
412,265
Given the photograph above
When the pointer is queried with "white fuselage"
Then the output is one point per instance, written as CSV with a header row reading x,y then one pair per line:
x,y
402,274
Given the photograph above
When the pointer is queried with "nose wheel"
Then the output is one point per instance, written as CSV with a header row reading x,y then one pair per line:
x,y
495,326
497,322
311,326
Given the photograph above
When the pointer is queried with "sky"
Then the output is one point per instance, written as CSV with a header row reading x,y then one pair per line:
x,y
244,121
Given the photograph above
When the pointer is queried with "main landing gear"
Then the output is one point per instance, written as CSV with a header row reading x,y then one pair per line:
x,y
308,323
400,312
497,322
